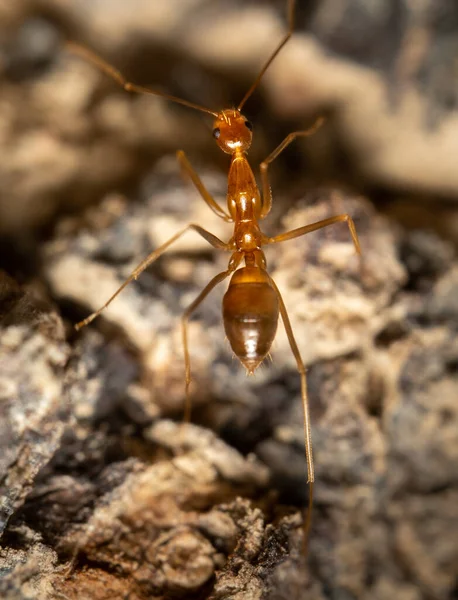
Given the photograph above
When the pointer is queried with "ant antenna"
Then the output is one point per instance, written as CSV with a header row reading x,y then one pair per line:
x,y
269,61
129,87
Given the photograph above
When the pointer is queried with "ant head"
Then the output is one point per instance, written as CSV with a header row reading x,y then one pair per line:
x,y
232,131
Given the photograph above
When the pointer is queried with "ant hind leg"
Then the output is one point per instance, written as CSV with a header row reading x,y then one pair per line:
x,y
305,405
184,331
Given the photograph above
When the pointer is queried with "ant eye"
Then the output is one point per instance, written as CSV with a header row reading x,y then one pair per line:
x,y
216,133
248,125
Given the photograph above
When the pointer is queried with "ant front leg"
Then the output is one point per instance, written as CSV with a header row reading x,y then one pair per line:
x,y
266,190
188,170
211,239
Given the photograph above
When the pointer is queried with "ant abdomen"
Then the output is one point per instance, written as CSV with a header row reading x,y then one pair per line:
x,y
250,314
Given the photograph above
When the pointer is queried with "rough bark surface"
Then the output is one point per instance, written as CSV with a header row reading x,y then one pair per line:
x,y
104,493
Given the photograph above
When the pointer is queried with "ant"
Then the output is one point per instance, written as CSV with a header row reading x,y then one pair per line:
x,y
252,303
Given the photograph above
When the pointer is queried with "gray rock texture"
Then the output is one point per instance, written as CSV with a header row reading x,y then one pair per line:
x,y
104,492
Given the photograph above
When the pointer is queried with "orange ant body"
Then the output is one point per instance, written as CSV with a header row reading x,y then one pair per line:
x,y
252,303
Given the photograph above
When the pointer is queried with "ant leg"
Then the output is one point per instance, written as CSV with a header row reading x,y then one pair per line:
x,y
211,239
305,406
188,170
184,331
266,190
294,233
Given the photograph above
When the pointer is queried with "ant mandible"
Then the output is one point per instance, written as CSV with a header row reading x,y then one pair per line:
x,y
252,303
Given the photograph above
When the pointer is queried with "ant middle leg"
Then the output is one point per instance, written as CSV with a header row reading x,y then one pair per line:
x,y
264,166
211,239
294,233
189,171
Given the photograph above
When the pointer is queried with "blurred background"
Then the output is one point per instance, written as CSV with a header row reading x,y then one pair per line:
x,y
89,185
384,73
